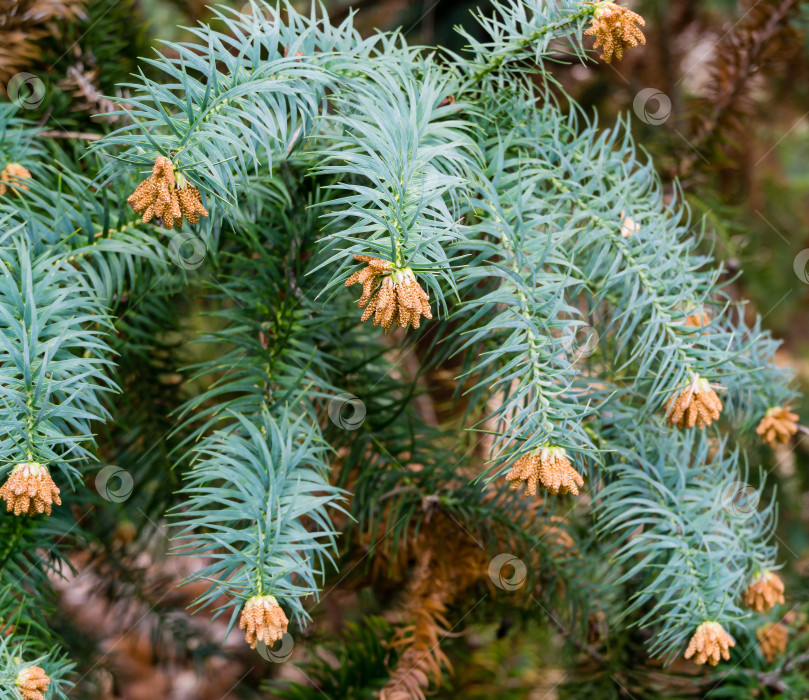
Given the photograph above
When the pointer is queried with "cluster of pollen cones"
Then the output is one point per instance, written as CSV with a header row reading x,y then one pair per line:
x,y
167,198
765,592
32,683
778,425
30,489
772,640
390,294
697,319
263,620
549,467
710,643
616,30
11,178
697,405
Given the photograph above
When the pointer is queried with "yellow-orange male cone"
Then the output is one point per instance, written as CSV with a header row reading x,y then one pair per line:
x,y
32,683
697,404
772,640
391,295
778,425
12,176
710,643
615,29
765,592
263,620
30,489
548,466
168,196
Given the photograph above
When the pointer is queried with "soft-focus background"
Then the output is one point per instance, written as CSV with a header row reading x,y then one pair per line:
x,y
719,97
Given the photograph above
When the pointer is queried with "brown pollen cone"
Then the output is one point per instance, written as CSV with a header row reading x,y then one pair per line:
x,y
191,203
710,643
778,425
549,467
162,196
765,592
697,405
697,319
616,30
391,295
263,620
32,683
10,178
772,640
30,489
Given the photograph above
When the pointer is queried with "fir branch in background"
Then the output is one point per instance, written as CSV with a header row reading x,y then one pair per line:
x,y
23,25
359,670
256,424
756,47
53,378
